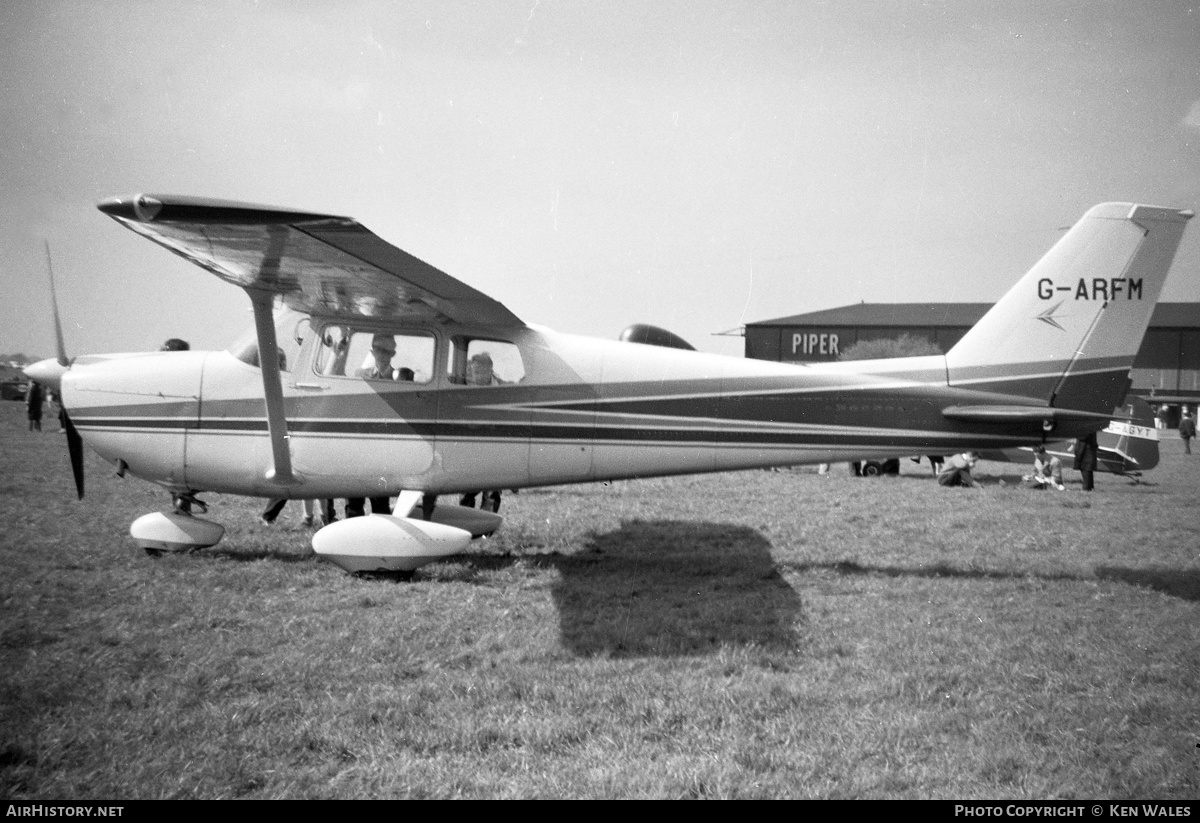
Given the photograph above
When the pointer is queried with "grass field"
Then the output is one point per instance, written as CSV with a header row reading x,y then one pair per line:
x,y
759,634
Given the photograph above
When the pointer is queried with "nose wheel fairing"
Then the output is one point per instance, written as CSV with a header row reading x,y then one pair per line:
x,y
174,532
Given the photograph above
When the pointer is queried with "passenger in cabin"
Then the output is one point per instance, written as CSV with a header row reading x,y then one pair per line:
x,y
175,344
480,370
1047,470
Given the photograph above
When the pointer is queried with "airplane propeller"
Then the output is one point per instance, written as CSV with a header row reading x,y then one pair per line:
x,y
75,451
49,373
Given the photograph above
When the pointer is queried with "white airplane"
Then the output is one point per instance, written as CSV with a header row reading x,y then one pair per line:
x,y
379,386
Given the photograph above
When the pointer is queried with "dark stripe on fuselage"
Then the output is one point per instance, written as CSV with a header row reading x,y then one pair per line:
x,y
523,432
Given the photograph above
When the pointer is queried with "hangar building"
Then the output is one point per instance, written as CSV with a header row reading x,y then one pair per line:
x,y
1166,371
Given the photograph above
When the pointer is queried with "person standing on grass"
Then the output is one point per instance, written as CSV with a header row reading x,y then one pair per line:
x,y
274,507
1086,449
33,406
1187,430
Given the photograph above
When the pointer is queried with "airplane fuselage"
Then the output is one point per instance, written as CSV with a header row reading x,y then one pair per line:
x,y
572,409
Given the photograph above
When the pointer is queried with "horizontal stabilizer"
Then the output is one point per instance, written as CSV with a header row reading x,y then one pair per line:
x,y
1020,414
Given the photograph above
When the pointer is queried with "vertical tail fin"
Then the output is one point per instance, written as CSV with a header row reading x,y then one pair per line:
x,y
1068,332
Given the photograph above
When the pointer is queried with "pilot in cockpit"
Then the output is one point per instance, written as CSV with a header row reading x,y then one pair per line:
x,y
383,349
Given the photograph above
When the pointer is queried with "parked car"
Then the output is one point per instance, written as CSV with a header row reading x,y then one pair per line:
x,y
12,390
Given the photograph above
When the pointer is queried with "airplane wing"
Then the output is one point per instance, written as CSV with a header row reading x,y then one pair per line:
x,y
319,263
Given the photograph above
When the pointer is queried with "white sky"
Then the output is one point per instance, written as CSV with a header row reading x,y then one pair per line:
x,y
695,165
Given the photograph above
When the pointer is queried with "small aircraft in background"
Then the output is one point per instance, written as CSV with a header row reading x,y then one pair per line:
x,y
373,373
1128,445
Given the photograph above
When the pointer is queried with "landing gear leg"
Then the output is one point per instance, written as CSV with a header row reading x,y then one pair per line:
x,y
182,503
428,503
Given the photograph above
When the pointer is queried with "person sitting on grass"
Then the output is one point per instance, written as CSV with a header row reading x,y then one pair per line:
x,y
1047,470
956,471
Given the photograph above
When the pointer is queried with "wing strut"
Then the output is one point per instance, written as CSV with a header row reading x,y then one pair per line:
x,y
268,362
268,359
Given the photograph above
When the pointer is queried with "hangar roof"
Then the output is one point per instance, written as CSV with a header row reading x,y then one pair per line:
x,y
1166,315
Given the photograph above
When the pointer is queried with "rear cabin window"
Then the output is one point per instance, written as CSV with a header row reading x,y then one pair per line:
x,y
480,362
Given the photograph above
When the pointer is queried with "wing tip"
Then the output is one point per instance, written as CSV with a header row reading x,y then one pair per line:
x,y
166,208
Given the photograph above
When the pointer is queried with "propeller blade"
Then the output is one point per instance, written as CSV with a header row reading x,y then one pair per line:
x,y
50,373
75,450
58,335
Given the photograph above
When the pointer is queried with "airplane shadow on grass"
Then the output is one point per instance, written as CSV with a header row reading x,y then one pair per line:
x,y
669,587
650,588
665,588
1184,584
1175,582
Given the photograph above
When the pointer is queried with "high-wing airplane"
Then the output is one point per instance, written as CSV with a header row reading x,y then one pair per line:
x,y
1127,446
378,384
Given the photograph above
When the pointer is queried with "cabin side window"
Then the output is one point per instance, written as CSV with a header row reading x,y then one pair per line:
x,y
482,362
376,355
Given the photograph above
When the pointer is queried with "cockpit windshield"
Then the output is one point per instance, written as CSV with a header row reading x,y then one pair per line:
x,y
291,328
